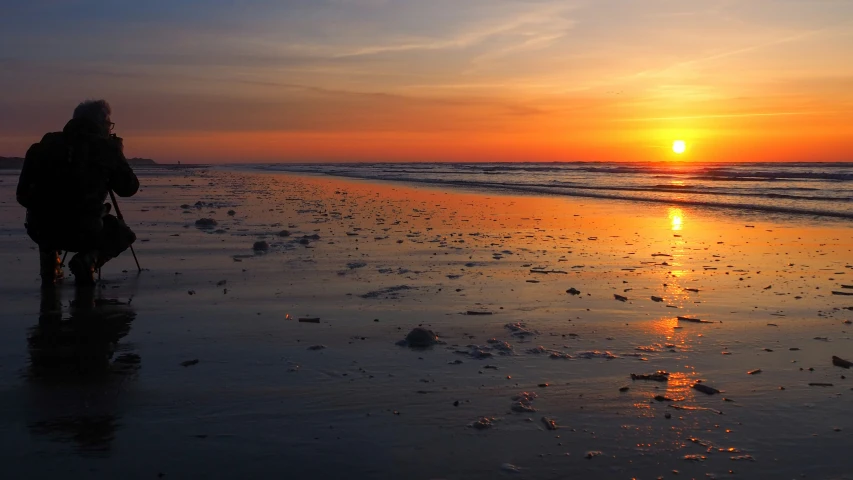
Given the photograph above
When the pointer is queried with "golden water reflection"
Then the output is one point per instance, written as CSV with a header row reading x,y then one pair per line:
x,y
679,386
676,219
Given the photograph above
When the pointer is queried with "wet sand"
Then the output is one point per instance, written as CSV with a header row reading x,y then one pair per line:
x,y
115,390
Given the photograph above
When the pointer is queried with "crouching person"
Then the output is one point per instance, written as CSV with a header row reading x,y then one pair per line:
x,y
64,185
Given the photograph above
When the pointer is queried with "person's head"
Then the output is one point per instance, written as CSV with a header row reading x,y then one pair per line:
x,y
96,111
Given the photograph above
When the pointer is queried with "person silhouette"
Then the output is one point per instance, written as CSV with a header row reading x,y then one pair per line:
x,y
64,184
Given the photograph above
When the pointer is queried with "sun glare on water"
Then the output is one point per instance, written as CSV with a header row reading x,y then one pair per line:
x,y
679,146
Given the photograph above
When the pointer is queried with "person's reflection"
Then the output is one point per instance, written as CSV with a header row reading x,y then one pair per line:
x,y
75,371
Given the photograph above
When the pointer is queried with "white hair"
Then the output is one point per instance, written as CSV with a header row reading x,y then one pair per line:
x,y
97,111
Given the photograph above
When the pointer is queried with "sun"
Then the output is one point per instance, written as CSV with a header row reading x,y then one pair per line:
x,y
679,146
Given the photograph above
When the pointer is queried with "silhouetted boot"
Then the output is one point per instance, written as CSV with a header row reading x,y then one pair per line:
x,y
50,268
83,267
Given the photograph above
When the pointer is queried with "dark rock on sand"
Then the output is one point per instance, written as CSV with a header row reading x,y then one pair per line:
x,y
189,363
573,291
284,233
692,319
659,376
705,388
206,223
840,362
261,246
419,338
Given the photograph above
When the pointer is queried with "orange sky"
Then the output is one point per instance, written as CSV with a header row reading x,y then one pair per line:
x,y
404,80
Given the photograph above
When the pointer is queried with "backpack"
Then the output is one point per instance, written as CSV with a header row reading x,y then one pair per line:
x,y
58,178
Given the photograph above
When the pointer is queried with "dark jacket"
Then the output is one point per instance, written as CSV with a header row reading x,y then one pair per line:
x,y
67,175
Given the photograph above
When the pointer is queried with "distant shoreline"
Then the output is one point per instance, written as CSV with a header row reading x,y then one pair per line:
x,y
16,163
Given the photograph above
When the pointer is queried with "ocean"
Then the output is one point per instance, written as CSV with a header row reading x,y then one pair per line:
x,y
818,190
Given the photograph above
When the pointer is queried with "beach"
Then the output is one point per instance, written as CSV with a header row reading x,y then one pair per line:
x,y
263,337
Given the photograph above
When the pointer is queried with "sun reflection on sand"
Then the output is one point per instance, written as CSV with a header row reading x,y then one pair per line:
x,y
676,219
669,329
679,385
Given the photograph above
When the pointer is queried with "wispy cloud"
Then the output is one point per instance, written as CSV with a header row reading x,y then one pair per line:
x,y
721,115
531,24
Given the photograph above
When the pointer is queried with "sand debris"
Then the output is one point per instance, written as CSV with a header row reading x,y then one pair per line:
x,y
692,320
705,388
519,329
504,348
387,293
523,402
206,223
685,407
659,376
550,424
476,352
590,354
508,467
559,272
482,423
560,355
840,362
754,372
742,457
592,453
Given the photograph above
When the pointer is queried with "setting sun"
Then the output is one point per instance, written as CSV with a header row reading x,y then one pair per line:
x,y
679,146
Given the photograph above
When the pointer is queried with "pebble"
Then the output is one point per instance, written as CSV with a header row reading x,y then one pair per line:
x,y
705,389
206,223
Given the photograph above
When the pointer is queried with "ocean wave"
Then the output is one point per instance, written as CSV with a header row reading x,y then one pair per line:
x,y
770,188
